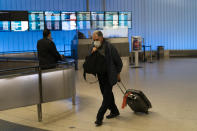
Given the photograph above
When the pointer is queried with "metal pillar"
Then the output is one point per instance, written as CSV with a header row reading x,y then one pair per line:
x,y
151,57
39,106
87,5
103,5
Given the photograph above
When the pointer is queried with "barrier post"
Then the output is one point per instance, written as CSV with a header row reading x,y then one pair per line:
x,y
151,57
39,106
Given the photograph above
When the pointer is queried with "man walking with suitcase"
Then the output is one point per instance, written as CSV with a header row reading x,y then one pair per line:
x,y
109,78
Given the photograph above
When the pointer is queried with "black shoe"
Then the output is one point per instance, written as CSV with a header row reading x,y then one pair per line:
x,y
112,115
98,123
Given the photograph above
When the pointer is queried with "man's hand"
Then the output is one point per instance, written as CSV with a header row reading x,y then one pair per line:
x,y
94,49
118,77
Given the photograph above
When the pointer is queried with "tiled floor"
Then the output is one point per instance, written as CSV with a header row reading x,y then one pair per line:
x,y
171,86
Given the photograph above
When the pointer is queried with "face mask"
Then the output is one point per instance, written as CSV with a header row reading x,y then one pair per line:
x,y
97,44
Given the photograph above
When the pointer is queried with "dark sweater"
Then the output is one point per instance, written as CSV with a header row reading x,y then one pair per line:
x,y
47,53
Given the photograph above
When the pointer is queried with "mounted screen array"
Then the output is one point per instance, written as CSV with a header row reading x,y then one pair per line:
x,y
13,20
56,20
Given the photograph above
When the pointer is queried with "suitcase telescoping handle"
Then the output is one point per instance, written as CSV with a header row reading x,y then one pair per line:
x,y
122,86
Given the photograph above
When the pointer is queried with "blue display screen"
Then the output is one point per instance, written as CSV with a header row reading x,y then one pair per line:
x,y
97,15
125,16
83,25
52,16
68,25
125,24
68,16
97,24
112,16
53,25
67,20
111,23
19,25
83,16
36,25
4,25
36,16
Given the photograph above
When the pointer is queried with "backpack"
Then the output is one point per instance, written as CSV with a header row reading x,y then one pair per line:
x,y
94,64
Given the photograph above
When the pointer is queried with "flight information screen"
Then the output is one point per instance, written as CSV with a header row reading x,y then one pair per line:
x,y
68,25
125,16
4,25
52,16
68,16
53,25
36,25
97,24
99,16
111,16
19,25
111,24
62,20
125,19
52,20
36,16
36,20
4,16
83,16
13,15
83,25
125,24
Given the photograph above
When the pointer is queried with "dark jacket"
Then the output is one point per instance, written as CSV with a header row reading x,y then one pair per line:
x,y
113,62
47,53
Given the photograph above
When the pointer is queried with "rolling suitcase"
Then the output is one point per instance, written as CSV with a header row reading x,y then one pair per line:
x,y
136,100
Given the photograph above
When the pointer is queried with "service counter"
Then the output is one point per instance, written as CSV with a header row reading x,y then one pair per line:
x,y
121,44
35,86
